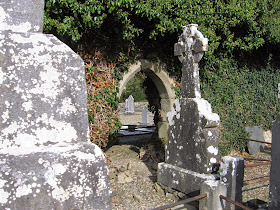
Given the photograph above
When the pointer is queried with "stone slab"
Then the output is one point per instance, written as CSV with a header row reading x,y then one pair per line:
x,y
192,137
22,16
42,90
274,187
46,159
256,133
183,180
58,177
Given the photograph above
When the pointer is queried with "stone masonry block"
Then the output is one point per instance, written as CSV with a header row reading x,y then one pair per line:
x,y
42,90
256,133
60,177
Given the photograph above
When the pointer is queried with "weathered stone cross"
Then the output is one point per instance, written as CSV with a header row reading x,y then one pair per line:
x,y
190,49
192,146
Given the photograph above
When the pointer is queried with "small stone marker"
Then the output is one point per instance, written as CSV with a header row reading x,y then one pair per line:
x,y
274,187
129,105
145,117
256,133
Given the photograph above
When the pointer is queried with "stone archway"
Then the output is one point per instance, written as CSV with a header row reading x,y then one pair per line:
x,y
157,72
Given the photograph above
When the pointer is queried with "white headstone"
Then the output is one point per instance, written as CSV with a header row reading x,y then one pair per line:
x,y
129,105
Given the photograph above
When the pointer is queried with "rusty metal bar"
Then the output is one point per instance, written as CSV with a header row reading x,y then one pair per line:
x,y
257,159
234,202
195,198
255,140
257,164
256,181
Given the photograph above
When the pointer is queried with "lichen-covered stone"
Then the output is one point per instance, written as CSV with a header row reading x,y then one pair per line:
x,y
22,16
191,151
43,92
192,139
46,159
184,180
60,177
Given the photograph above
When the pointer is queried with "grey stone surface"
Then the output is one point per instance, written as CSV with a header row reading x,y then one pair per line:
x,y
58,177
145,117
43,92
46,159
45,156
232,174
256,133
190,49
214,189
22,16
184,180
192,140
274,187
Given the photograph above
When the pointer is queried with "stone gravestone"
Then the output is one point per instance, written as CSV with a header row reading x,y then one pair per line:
x,y
192,146
145,117
46,159
129,105
256,133
274,187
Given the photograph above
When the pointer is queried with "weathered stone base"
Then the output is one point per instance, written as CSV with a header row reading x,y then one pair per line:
x,y
213,201
181,179
72,176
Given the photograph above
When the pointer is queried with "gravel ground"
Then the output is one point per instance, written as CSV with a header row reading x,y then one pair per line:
x,y
140,193
259,190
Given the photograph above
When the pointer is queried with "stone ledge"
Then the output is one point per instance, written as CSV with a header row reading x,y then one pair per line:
x,y
181,179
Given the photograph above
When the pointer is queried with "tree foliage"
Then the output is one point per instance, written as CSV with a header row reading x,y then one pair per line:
x,y
136,88
243,46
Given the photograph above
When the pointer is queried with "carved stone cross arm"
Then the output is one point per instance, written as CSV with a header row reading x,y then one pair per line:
x,y
191,44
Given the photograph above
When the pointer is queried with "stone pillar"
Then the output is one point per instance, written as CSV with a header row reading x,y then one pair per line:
x,y
192,146
274,187
232,174
46,158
